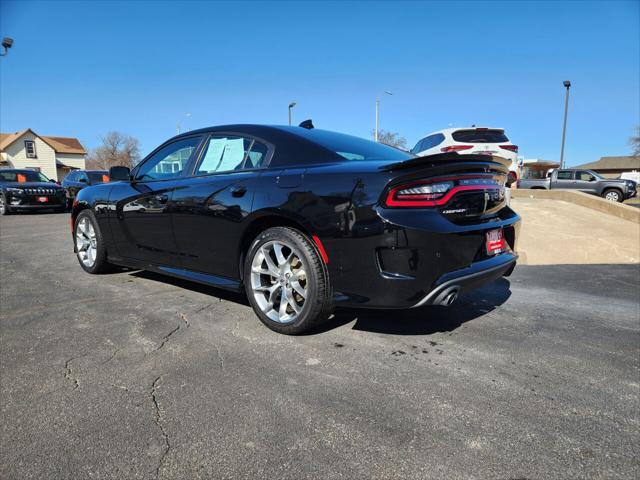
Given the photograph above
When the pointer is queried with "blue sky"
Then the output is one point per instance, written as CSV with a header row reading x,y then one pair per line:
x,y
84,68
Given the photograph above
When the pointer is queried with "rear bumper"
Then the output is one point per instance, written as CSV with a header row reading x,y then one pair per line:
x,y
409,258
470,278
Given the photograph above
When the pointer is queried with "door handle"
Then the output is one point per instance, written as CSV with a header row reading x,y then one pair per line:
x,y
162,198
238,191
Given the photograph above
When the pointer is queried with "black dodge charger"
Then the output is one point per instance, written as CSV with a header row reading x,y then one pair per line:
x,y
303,219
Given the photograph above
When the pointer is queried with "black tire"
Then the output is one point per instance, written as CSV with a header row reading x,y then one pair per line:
x,y
318,303
613,194
4,208
100,265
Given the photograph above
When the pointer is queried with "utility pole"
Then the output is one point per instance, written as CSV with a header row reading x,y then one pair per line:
x,y
567,85
375,134
291,105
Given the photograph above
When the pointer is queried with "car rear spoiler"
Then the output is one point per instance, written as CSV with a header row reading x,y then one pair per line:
x,y
439,159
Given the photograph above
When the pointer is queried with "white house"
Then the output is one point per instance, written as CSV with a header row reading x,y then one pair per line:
x,y
53,156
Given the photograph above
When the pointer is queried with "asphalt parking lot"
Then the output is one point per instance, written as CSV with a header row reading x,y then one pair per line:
x,y
132,375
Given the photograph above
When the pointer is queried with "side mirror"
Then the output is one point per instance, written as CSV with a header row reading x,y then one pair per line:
x,y
117,174
82,180
592,179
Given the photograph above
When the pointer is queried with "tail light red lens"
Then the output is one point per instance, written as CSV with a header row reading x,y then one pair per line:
x,y
456,148
512,148
437,192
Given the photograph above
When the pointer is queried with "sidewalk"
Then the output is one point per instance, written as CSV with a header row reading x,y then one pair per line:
x,y
558,232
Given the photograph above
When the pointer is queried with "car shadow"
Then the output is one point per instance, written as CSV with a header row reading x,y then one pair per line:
x,y
193,286
418,321
424,320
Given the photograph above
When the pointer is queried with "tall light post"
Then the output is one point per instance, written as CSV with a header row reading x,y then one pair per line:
x,y
291,105
178,125
7,43
567,85
375,136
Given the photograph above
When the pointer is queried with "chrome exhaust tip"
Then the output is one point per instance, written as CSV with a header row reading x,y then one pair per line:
x,y
448,297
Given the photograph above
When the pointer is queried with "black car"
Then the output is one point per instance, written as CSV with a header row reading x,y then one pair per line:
x,y
24,190
303,219
78,179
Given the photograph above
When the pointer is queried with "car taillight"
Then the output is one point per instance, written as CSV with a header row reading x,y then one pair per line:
x,y
512,148
437,192
455,148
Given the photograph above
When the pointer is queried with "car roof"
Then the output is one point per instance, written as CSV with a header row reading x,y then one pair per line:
x,y
455,129
17,170
294,144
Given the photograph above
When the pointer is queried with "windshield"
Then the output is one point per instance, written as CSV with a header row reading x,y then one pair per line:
x,y
98,177
22,176
354,148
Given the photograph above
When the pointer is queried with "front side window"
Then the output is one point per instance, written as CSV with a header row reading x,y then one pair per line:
x,y
565,175
170,161
30,148
225,153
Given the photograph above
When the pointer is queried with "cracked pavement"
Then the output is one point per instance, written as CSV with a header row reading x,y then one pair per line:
x,y
133,375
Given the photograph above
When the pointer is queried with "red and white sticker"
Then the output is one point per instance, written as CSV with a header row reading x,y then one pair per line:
x,y
495,241
43,199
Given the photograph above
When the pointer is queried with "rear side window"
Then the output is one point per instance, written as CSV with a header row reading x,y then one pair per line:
x,y
565,175
480,136
98,177
227,153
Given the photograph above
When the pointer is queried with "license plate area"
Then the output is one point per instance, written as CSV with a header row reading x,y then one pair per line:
x,y
494,241
43,199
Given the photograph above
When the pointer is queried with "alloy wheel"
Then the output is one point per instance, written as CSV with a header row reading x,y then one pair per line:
x,y
612,196
86,242
279,281
2,205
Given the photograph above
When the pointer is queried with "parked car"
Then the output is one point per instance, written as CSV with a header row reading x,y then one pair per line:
x,y
634,176
79,179
586,181
303,219
24,190
473,140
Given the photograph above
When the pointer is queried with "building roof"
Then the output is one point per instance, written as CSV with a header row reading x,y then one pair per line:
x,y
613,163
59,144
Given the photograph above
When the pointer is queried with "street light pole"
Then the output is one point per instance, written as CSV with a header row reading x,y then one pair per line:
x,y
178,124
291,105
567,85
375,132
7,43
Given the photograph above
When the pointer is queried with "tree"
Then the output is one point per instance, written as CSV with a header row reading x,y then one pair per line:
x,y
390,138
116,149
634,141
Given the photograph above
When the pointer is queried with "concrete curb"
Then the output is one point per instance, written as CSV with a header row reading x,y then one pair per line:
x,y
619,210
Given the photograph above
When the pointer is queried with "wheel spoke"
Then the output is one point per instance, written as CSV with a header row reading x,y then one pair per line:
x,y
277,248
283,304
292,302
270,265
299,288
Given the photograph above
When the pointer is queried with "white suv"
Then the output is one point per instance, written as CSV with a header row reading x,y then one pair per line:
x,y
473,140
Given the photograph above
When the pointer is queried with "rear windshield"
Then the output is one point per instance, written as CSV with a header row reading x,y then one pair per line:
x,y
480,136
354,148
22,176
98,177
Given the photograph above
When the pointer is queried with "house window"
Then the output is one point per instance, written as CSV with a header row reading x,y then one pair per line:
x,y
30,147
